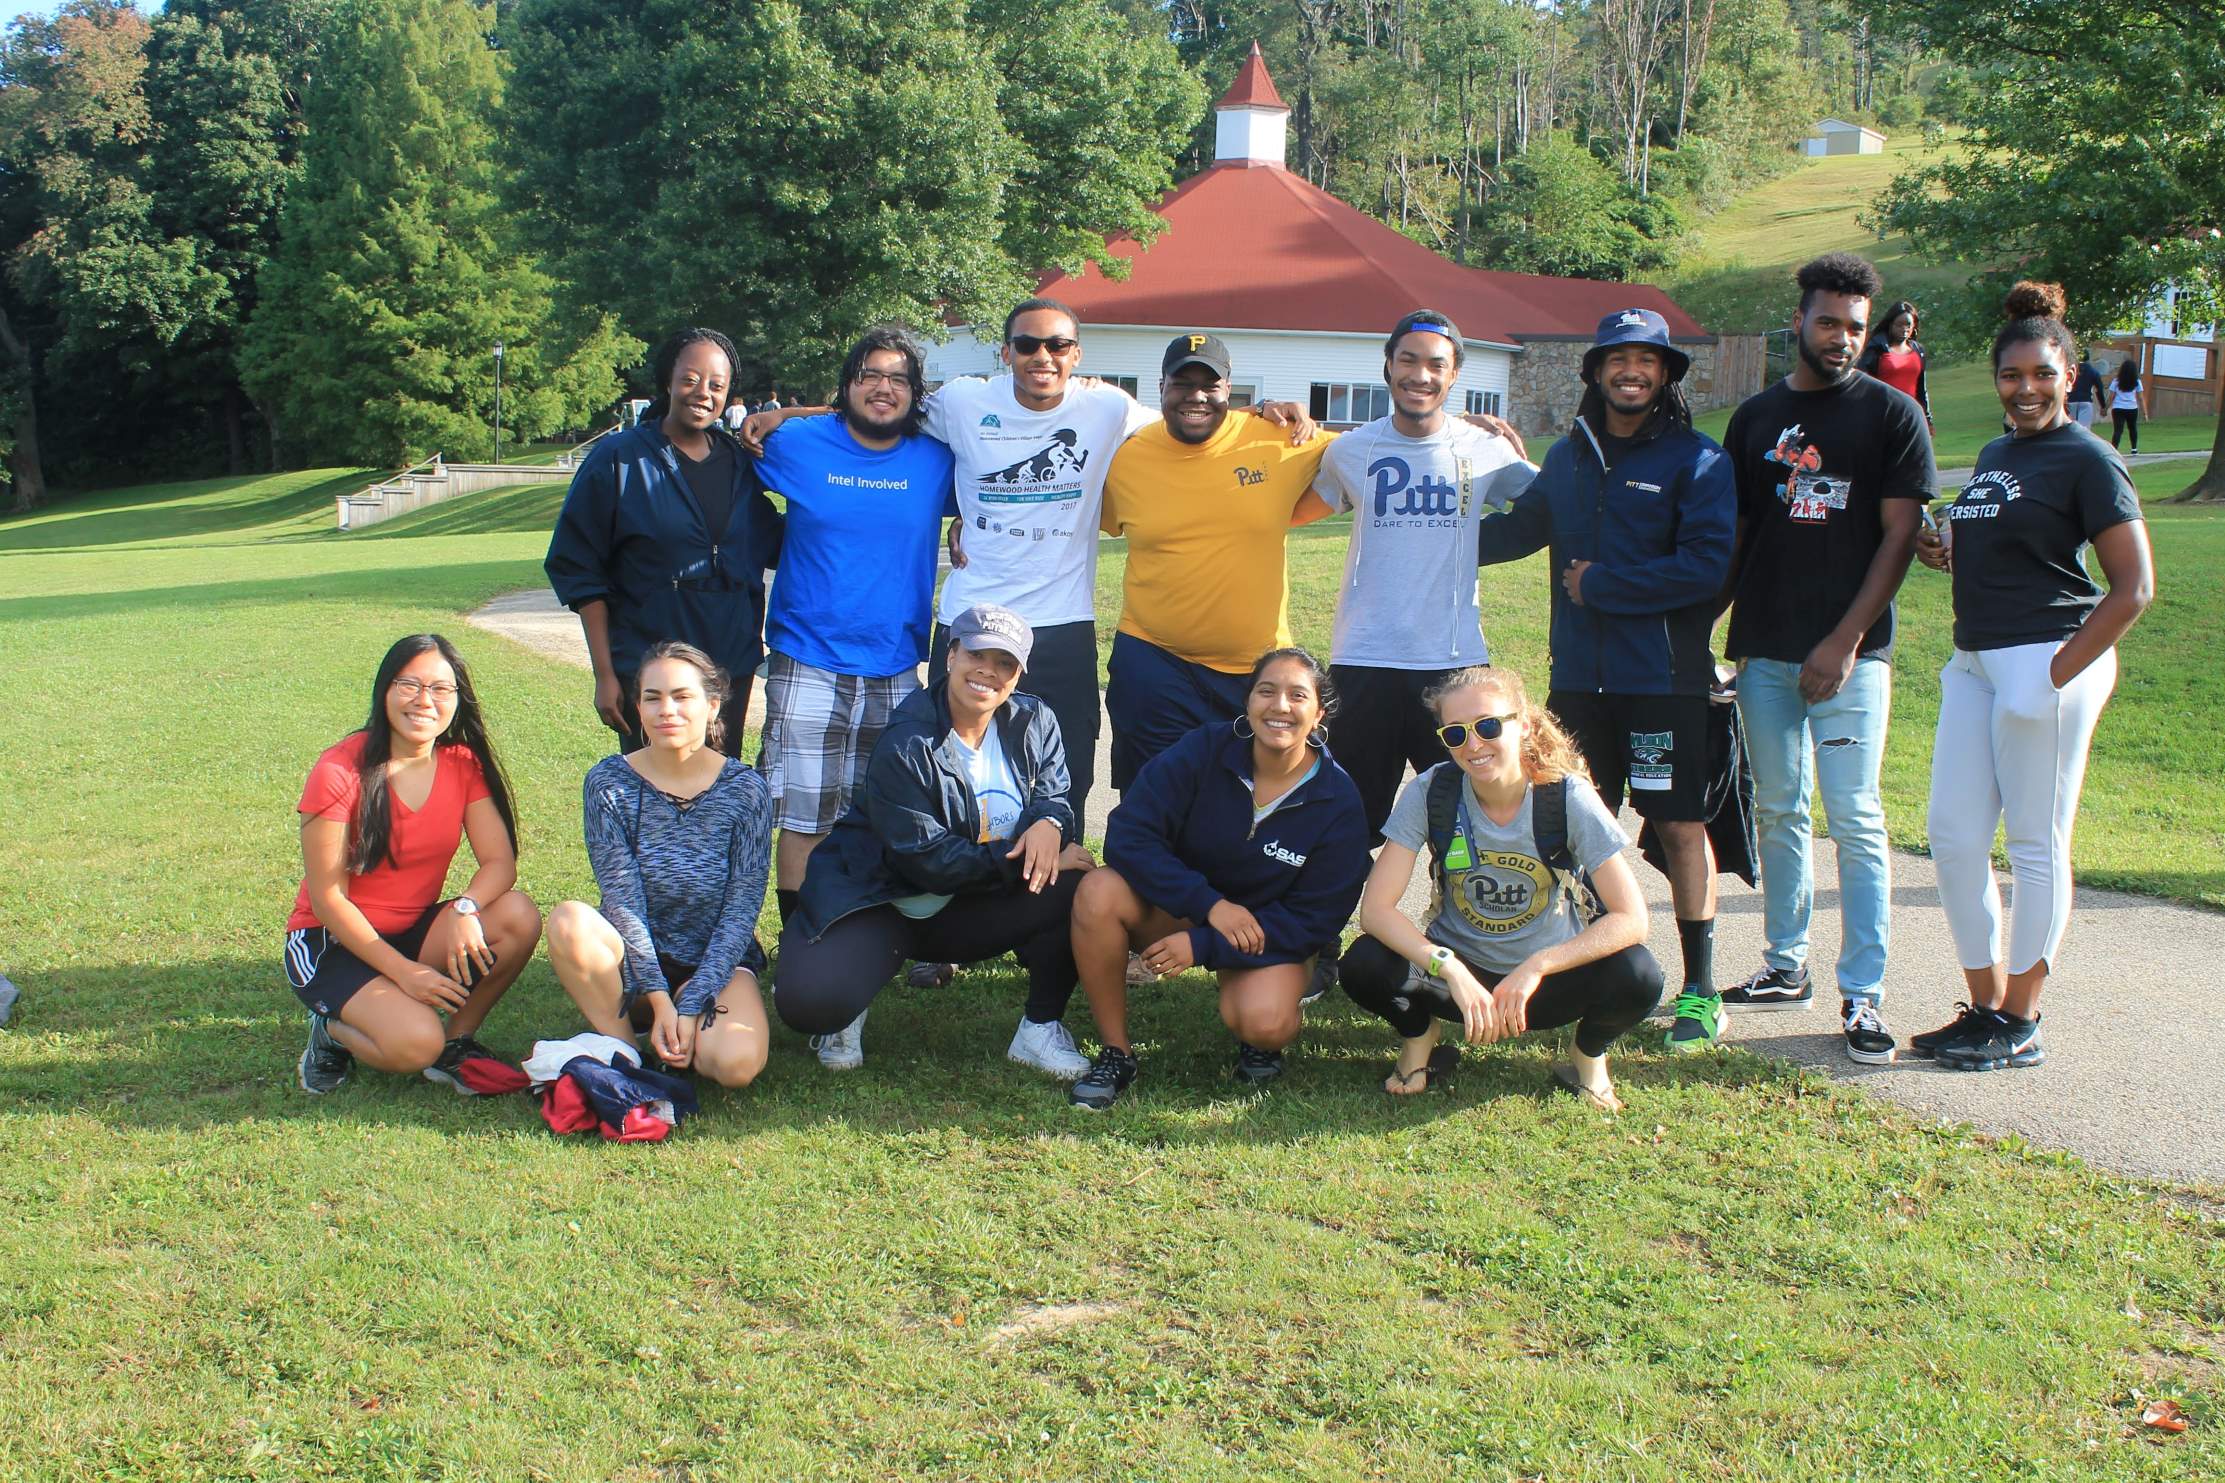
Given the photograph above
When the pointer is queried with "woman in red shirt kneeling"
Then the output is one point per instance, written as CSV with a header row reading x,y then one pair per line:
x,y
371,948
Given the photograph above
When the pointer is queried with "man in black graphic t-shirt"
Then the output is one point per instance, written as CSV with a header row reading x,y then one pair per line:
x,y
1834,468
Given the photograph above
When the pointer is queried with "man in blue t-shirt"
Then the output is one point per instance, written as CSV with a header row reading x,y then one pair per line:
x,y
848,620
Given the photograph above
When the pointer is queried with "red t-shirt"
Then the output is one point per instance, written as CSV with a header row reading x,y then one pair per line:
x,y
393,896
1899,369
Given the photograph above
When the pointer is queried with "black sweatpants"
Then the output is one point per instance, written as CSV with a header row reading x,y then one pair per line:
x,y
818,987
1381,726
2121,422
1603,999
1062,673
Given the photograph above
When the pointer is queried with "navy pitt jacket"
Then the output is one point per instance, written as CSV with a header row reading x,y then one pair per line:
x,y
913,827
632,536
1183,837
1657,528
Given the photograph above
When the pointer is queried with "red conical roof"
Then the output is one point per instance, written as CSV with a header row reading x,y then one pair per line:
x,y
1253,88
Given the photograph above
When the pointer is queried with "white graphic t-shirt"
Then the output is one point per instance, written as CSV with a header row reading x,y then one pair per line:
x,y
996,792
1030,488
1409,594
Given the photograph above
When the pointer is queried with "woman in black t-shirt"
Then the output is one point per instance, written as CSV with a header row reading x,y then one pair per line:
x,y
2034,662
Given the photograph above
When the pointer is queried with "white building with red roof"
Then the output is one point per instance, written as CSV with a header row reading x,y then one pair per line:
x,y
1303,288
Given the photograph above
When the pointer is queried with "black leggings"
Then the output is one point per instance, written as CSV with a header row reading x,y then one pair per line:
x,y
2122,421
820,986
1602,999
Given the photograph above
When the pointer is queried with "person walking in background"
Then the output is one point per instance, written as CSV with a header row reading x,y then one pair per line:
x,y
1834,471
1516,834
678,834
378,958
666,534
2128,403
2089,393
1893,354
1641,513
2034,662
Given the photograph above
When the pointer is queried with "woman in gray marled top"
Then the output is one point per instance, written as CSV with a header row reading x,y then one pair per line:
x,y
680,836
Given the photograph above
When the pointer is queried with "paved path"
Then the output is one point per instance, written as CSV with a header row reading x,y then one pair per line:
x,y
2130,1084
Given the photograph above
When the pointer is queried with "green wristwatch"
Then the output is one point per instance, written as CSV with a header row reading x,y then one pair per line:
x,y
1438,958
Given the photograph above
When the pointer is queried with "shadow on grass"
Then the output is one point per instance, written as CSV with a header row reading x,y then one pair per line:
x,y
382,585
214,1042
170,512
517,508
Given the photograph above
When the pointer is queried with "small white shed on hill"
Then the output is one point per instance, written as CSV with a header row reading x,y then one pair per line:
x,y
1837,136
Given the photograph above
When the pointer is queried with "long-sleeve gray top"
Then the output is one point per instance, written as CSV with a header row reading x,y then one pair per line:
x,y
683,879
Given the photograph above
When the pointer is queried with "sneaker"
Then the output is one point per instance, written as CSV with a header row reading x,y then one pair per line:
x,y
475,1071
324,1065
1968,1021
930,975
1256,1067
1867,1039
844,1050
1771,988
1048,1048
2002,1044
1699,1022
1108,1076
1324,978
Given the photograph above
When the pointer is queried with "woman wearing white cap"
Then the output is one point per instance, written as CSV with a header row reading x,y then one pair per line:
x,y
957,847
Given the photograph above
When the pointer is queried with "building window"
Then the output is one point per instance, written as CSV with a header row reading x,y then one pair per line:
x,y
1342,404
1242,395
1485,402
1125,383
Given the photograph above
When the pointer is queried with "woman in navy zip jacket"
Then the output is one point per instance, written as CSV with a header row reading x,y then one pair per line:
x,y
666,534
1242,849
957,847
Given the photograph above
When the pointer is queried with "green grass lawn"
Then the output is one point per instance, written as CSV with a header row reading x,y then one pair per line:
x,y
930,1268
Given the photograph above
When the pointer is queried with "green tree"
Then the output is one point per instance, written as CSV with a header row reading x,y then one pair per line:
x,y
2095,156
396,273
791,175
1563,211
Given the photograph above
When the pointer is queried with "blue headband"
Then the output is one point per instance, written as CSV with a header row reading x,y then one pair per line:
x,y
1428,324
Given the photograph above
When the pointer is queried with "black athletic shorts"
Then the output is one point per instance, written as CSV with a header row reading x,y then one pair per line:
x,y
326,975
676,975
1655,745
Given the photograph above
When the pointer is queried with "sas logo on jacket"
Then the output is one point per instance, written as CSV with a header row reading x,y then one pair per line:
x,y
1273,850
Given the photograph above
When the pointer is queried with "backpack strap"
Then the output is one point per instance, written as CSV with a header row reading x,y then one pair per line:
x,y
1549,830
1444,815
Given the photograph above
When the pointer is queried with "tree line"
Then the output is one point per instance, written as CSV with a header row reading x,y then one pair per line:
x,y
243,234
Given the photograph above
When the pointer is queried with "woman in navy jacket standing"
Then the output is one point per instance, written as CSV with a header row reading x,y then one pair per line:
x,y
1242,849
666,534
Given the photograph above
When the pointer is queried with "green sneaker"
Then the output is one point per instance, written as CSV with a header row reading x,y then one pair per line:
x,y
1699,1022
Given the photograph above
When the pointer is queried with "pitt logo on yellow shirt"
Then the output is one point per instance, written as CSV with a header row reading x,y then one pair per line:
x,y
1250,476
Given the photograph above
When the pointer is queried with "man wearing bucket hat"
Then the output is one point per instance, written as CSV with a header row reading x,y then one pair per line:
x,y
958,846
1640,511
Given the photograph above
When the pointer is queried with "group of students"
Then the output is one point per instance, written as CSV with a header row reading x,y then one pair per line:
x,y
941,824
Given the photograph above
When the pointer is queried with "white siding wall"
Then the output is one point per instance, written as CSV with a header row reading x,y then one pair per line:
x,y
1283,367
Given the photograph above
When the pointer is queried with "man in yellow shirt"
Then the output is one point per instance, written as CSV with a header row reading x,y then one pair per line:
x,y
1204,500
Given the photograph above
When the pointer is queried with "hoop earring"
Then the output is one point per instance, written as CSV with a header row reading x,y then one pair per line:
x,y
1239,721
1318,738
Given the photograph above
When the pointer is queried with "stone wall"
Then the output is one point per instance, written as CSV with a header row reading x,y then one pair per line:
x,y
1545,383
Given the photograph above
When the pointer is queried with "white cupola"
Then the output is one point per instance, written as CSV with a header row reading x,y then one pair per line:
x,y
1251,123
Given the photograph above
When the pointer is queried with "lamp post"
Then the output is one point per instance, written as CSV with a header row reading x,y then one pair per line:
x,y
498,401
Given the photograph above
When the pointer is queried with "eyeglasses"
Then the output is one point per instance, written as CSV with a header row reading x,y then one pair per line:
x,y
1488,728
409,687
1029,344
871,379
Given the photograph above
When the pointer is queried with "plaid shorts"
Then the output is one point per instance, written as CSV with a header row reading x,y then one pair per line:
x,y
820,728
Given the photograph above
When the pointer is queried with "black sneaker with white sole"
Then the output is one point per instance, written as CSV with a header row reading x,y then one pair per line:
x,y
1107,1077
2007,1043
1969,1020
324,1065
1867,1039
1256,1067
1771,988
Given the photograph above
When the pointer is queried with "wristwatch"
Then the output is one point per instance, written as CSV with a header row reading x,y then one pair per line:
x,y
1438,958
466,907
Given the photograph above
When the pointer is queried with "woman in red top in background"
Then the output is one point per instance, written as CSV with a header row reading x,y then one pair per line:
x,y
1896,357
371,948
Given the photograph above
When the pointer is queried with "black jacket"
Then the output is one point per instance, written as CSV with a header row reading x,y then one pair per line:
x,y
913,827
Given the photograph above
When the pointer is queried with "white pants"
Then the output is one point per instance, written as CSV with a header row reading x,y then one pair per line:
x,y
2011,751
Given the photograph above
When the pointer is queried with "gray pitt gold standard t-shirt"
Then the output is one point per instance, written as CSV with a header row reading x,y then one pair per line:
x,y
1507,905
1409,594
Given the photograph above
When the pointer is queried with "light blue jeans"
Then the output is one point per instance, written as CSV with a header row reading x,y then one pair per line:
x,y
1840,745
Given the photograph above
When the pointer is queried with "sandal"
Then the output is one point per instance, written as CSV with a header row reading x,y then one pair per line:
x,y
1564,1080
1437,1068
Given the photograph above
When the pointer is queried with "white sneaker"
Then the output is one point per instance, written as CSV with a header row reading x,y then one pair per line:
x,y
1048,1048
844,1050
